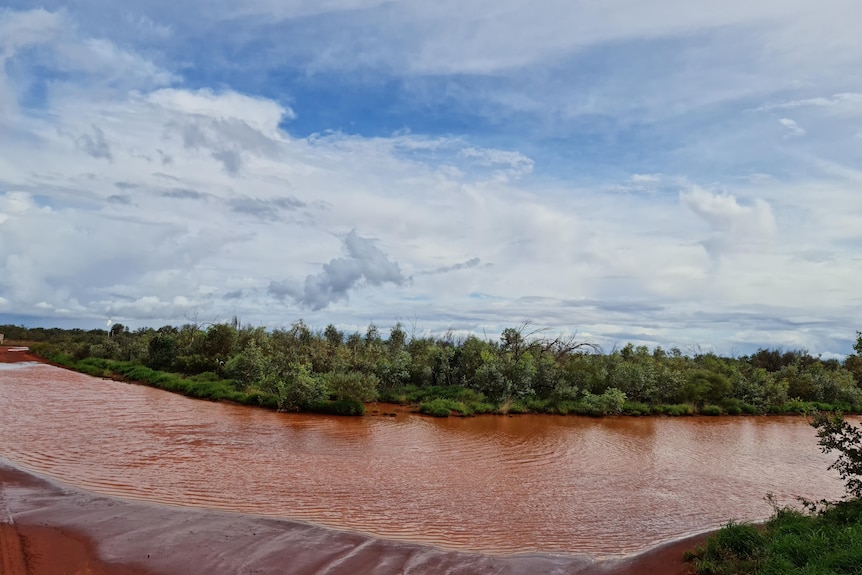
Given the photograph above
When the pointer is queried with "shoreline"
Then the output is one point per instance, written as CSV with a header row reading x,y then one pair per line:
x,y
52,528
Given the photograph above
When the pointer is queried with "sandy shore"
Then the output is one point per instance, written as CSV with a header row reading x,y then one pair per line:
x,y
47,528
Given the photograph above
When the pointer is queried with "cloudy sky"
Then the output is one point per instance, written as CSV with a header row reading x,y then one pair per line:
x,y
661,171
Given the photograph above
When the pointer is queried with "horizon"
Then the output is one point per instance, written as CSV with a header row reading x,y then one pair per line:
x,y
627,172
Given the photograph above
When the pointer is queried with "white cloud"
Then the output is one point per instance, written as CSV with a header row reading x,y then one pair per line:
x,y
125,193
792,126
733,225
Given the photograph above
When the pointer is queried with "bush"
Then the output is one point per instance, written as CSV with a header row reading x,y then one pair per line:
x,y
711,410
354,386
636,408
436,408
675,410
338,407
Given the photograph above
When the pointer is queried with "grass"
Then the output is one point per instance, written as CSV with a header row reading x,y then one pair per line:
x,y
202,386
822,541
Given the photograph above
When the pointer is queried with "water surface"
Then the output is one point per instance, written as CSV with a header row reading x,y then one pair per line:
x,y
496,484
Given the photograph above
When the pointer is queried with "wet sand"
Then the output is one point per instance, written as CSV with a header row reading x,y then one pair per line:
x,y
47,528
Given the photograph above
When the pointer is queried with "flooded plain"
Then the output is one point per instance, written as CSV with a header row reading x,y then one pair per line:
x,y
571,485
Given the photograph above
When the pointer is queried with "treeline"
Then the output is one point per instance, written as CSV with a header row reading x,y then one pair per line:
x,y
304,369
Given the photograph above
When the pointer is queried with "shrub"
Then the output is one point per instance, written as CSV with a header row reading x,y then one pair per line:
x,y
678,409
436,408
354,386
636,408
338,407
749,409
711,410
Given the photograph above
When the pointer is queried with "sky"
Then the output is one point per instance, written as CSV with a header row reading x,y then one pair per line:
x,y
663,172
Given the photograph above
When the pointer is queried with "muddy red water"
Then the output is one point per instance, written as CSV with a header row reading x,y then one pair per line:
x,y
594,487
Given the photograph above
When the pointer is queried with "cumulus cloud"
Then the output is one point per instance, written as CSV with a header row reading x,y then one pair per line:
x,y
364,261
733,225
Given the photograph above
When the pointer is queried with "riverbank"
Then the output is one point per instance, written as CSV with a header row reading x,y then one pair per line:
x,y
51,529
15,354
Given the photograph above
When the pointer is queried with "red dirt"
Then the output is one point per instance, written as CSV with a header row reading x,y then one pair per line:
x,y
15,354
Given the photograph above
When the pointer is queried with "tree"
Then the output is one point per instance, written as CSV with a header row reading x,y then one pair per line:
x,y
162,351
835,434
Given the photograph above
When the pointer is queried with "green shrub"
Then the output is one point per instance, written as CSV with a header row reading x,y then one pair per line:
x,y
796,405
436,408
516,408
675,410
347,407
636,408
711,410
354,385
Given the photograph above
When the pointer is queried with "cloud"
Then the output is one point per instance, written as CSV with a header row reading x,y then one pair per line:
x,y
515,164
364,261
845,101
267,210
95,145
734,226
145,175
471,263
792,126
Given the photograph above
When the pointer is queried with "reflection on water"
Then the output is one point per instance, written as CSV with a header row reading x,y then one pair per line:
x,y
494,484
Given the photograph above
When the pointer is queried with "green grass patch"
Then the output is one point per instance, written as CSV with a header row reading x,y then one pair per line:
x,y
827,541
205,385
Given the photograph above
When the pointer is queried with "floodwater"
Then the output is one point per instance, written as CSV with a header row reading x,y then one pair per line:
x,y
595,487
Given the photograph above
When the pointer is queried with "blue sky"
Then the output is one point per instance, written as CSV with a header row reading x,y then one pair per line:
x,y
658,172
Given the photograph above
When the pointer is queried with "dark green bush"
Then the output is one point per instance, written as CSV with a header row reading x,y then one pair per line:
x,y
338,407
711,410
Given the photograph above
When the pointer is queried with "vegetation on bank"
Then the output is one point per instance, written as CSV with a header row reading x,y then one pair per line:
x,y
824,538
522,371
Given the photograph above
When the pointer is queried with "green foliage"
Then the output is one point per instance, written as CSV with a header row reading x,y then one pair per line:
x,y
611,402
827,541
636,408
295,387
352,386
520,371
162,351
711,410
675,410
338,407
836,434
443,407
